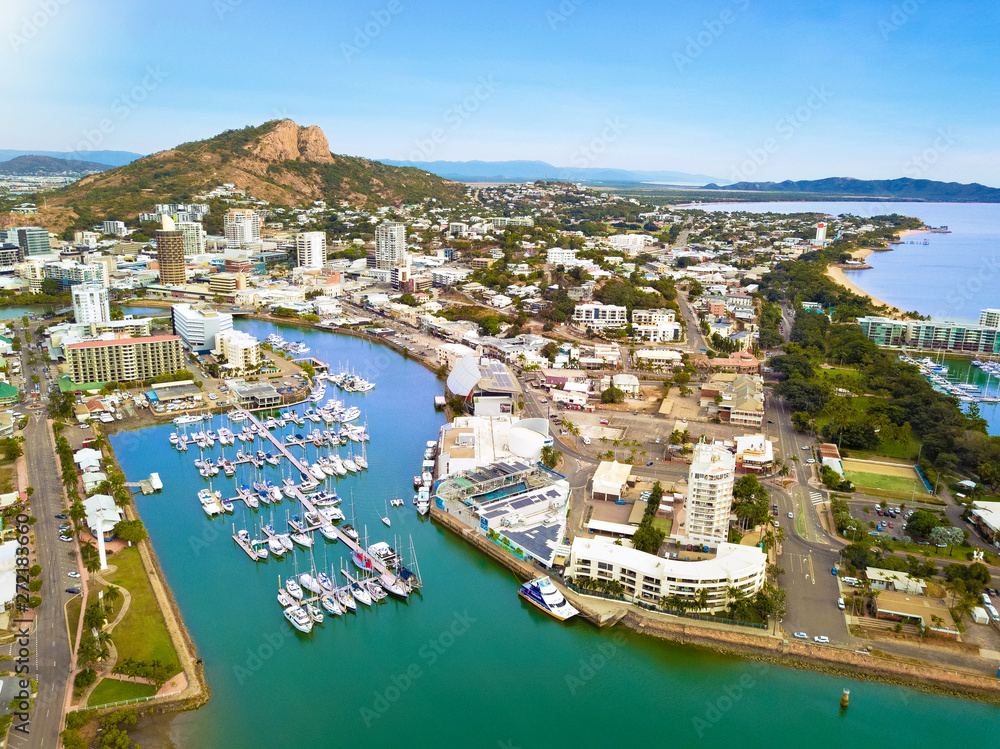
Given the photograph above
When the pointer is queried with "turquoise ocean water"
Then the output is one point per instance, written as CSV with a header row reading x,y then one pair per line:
x,y
466,663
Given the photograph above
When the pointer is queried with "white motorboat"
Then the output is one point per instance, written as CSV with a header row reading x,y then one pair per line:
x,y
284,599
299,619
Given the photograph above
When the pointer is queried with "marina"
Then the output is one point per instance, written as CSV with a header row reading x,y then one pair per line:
x,y
466,622
316,504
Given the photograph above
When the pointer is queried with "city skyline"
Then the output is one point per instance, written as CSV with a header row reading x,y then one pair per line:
x,y
739,91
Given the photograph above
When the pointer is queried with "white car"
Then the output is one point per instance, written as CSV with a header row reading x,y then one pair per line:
x,y
805,447
790,516
74,575
821,639
810,461
801,635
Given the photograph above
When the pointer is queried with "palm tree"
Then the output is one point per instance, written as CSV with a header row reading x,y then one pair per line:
x,y
112,595
701,598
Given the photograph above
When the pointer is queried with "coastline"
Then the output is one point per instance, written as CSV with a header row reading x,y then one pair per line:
x,y
747,644
835,272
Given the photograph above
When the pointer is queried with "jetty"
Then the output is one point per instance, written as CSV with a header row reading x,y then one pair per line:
x,y
266,433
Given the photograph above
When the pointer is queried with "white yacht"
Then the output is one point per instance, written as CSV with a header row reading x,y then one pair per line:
x,y
299,619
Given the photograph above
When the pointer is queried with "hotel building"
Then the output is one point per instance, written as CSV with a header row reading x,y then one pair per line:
x,y
124,359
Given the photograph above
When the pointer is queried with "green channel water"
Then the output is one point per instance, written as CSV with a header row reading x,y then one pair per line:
x,y
466,663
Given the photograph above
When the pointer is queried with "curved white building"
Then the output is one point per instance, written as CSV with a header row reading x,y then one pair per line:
x,y
527,437
649,577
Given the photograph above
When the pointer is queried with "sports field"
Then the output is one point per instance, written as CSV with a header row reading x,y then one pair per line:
x,y
862,480
893,478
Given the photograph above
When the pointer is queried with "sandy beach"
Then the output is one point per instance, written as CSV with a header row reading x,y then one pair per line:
x,y
836,274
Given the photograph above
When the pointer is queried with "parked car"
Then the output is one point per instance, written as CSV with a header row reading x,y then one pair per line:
x,y
840,604
67,539
605,421
801,635
74,591
61,516
74,575
821,639
811,461
790,516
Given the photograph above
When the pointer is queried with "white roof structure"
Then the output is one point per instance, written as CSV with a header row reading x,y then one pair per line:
x,y
105,504
8,574
901,581
988,514
464,376
87,456
756,444
732,562
611,477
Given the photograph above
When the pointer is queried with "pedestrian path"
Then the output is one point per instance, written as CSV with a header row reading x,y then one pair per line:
x,y
816,498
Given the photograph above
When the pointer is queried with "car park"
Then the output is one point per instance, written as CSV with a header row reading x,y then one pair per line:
x,y
801,635
821,639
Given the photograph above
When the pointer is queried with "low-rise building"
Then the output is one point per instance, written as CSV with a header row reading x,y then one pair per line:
x,y
658,359
649,578
599,316
610,480
754,453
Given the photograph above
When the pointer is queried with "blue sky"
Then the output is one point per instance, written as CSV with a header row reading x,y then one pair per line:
x,y
740,89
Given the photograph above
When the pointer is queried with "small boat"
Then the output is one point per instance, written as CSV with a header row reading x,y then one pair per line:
x,y
302,539
543,594
361,594
284,599
376,591
293,589
348,530
310,583
275,546
346,600
324,580
385,518
314,613
331,604
299,619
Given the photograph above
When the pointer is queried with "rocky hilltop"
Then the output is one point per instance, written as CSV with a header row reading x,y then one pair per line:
x,y
278,161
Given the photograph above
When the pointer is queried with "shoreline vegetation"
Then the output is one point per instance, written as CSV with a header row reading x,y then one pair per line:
x,y
835,272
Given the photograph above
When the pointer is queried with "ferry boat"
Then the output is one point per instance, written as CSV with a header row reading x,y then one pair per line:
x,y
299,619
543,594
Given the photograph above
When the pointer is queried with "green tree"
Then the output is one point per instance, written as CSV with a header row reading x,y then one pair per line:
x,y
613,395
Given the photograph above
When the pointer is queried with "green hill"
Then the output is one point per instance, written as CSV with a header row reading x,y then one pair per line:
x,y
278,161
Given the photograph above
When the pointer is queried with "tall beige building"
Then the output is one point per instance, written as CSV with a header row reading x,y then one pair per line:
x,y
710,494
170,253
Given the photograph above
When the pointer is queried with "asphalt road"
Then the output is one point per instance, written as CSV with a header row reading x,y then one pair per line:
x,y
51,658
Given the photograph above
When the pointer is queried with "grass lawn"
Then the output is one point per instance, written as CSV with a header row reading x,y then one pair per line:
x,y
664,524
142,635
957,553
116,690
889,483
73,609
6,477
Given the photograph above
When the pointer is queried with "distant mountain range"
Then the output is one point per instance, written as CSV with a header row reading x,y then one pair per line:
x,y
899,189
528,171
108,158
40,166
277,161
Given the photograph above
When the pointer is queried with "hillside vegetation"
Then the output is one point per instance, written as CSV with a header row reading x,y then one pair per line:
x,y
278,161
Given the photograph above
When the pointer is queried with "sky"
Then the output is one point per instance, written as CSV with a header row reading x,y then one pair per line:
x,y
738,89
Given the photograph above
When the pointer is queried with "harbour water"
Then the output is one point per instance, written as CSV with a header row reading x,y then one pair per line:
x,y
947,276
466,663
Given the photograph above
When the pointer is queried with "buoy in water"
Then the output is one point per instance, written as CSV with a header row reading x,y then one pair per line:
x,y
845,698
